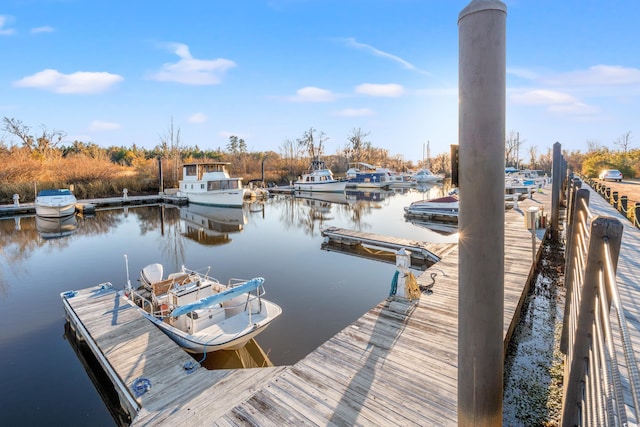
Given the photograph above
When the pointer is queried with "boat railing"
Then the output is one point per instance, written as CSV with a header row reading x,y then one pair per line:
x,y
601,381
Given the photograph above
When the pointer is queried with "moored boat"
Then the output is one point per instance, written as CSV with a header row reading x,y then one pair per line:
x,y
364,175
209,183
198,312
425,176
319,178
55,203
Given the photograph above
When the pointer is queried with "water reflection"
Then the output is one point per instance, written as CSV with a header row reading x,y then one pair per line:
x,y
211,225
53,228
320,291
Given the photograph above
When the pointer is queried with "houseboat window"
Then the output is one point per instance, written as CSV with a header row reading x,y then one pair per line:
x,y
190,170
202,186
213,185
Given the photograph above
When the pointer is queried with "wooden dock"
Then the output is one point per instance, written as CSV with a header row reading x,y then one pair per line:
x,y
396,365
88,206
433,252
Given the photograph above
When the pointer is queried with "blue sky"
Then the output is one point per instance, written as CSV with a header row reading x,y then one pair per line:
x,y
117,72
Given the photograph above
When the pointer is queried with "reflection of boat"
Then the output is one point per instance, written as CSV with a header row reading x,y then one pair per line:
x,y
371,195
445,208
211,225
55,203
198,312
210,184
332,198
425,175
443,228
51,228
319,178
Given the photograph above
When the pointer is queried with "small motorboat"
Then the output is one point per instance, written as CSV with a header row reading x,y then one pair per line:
x,y
55,203
198,312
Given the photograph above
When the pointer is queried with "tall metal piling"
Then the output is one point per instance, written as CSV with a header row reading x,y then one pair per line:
x,y
482,91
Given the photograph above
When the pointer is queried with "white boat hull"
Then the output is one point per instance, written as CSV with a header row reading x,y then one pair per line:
x,y
56,206
57,211
203,343
226,198
327,187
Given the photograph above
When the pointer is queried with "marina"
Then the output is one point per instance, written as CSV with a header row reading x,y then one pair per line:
x,y
376,363
398,354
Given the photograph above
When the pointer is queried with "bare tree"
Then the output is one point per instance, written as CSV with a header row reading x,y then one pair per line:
x,y
533,153
313,144
171,147
624,141
42,144
512,149
357,144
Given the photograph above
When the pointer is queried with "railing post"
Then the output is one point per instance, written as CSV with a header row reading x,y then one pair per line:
x,y
636,215
624,202
601,228
614,199
555,190
578,216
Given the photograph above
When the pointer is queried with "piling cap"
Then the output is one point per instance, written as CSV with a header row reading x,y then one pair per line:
x,y
482,5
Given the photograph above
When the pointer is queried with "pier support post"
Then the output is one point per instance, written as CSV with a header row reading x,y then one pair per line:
x,y
556,187
482,89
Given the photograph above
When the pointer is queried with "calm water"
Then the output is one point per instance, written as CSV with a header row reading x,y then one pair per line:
x,y
43,380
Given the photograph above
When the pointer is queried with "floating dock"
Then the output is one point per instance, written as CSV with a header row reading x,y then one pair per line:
x,y
431,252
88,206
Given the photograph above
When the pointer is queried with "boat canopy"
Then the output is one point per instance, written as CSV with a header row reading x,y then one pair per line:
x,y
55,192
248,286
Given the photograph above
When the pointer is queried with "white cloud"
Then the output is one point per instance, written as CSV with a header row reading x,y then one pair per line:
x,y
391,90
351,42
313,94
192,71
354,112
197,118
80,82
522,73
45,29
598,75
99,125
542,96
4,21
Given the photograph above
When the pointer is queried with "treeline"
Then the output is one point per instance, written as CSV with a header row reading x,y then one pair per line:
x,y
42,160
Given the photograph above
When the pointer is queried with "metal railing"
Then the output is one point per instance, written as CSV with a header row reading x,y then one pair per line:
x,y
621,202
601,380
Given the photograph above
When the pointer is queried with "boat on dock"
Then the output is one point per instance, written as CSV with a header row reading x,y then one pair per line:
x,y
198,312
210,184
55,203
319,178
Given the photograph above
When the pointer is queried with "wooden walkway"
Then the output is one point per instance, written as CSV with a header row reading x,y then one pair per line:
x,y
627,275
396,365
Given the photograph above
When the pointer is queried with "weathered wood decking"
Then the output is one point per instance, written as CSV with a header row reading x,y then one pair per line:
x,y
429,251
395,365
